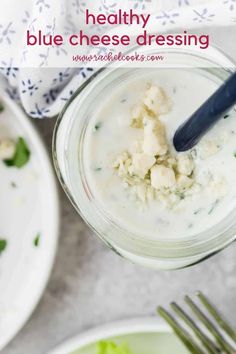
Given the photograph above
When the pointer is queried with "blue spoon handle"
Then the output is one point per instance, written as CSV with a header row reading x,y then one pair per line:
x,y
191,131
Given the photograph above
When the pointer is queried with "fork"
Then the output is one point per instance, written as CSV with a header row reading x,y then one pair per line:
x,y
211,334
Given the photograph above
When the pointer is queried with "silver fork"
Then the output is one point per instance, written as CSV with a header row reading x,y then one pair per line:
x,y
210,335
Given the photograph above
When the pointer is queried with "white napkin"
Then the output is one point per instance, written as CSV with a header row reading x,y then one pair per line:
x,y
43,92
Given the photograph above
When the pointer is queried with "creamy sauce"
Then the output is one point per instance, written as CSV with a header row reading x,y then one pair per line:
x,y
109,133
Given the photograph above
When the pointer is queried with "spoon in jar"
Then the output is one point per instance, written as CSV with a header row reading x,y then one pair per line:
x,y
217,105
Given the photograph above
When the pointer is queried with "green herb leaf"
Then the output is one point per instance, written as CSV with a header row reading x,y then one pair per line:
x,y
235,154
37,240
108,347
1,107
21,156
196,212
3,245
97,126
214,205
180,194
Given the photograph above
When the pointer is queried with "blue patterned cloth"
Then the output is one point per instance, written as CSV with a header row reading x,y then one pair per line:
x,y
44,91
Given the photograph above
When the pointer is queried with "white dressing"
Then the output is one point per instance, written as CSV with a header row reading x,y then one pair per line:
x,y
209,197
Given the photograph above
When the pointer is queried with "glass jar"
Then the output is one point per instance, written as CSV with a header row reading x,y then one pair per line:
x,y
68,154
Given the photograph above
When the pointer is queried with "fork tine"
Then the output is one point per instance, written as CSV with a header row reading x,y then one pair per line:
x,y
221,321
183,335
210,345
224,345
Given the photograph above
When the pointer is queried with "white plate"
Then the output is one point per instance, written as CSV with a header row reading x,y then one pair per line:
x,y
143,336
25,210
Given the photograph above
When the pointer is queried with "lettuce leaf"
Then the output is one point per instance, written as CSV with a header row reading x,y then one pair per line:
x,y
108,347
21,156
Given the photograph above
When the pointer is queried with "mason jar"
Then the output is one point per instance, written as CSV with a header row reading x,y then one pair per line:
x,y
69,153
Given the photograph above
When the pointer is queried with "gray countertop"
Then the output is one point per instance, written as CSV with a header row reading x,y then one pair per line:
x,y
90,285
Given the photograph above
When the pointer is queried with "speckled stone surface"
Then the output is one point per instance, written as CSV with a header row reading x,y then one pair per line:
x,y
90,285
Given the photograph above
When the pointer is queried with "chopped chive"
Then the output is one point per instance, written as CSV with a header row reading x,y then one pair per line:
x,y
226,116
3,245
235,154
197,211
1,107
97,169
180,195
37,240
214,205
174,90
13,185
123,100
97,126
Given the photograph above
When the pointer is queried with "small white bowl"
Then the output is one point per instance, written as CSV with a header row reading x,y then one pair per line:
x,y
143,336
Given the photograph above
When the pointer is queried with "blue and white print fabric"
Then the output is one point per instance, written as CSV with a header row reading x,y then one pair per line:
x,y
44,91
